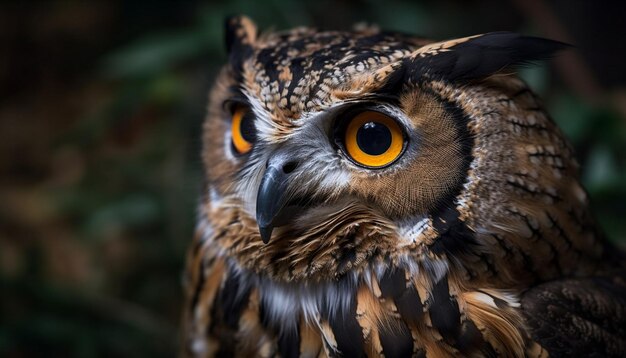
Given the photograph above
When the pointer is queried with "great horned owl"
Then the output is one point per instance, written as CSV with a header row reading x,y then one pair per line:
x,y
374,193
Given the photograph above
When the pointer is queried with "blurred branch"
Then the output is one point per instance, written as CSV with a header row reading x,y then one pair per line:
x,y
570,65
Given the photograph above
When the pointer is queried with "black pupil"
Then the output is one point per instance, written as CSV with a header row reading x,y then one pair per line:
x,y
248,132
373,138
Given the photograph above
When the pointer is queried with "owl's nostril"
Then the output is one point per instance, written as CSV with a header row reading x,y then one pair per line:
x,y
289,167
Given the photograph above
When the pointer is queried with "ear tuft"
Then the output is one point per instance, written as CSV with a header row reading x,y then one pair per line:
x,y
480,56
241,34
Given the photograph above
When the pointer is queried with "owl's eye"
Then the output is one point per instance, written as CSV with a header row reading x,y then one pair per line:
x,y
373,139
242,129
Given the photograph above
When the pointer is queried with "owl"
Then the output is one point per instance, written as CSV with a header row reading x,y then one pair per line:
x,y
372,193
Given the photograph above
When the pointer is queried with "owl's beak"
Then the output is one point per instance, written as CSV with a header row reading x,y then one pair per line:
x,y
272,199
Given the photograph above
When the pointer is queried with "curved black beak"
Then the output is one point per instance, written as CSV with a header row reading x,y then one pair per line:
x,y
272,199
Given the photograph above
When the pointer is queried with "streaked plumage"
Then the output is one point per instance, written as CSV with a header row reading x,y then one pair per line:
x,y
475,240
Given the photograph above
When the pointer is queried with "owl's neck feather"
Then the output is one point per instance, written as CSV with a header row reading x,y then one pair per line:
x,y
405,307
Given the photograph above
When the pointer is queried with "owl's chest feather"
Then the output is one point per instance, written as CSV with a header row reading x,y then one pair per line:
x,y
395,313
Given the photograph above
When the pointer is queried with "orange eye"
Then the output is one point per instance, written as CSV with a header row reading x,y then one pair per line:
x,y
242,130
373,139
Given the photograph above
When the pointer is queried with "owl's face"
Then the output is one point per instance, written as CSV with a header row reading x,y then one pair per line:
x,y
327,152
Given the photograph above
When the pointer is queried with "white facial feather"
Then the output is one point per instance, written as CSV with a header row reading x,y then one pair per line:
x,y
320,167
411,230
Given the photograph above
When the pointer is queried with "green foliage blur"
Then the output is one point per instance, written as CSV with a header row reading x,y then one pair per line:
x,y
101,107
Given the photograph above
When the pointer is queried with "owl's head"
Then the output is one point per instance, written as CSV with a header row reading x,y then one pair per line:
x,y
327,152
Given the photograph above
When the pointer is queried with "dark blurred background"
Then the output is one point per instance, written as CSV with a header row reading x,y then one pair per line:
x,y
100,111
